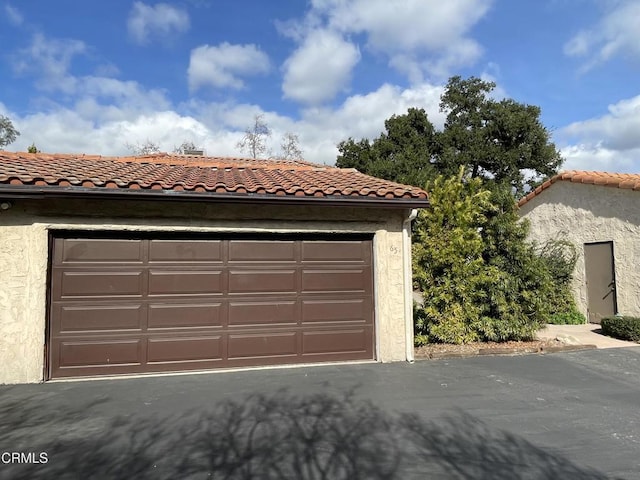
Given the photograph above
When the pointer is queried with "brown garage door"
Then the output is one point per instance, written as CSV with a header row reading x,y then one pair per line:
x,y
134,305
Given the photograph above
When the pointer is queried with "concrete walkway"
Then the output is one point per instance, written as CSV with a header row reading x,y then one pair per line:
x,y
587,334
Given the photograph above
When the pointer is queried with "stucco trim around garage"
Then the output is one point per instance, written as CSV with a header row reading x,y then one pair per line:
x,y
24,259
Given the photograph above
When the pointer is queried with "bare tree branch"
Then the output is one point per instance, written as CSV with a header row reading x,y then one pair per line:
x,y
254,141
186,146
290,147
147,147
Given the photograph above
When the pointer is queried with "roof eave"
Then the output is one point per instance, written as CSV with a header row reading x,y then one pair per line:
x,y
31,192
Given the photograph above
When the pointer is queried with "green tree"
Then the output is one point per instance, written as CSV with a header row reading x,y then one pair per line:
x,y
480,277
32,148
403,153
8,132
498,140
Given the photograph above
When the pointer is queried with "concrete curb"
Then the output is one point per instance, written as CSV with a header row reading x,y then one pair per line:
x,y
505,351
568,348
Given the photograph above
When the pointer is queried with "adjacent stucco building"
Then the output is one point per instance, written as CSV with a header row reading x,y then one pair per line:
x,y
600,214
131,265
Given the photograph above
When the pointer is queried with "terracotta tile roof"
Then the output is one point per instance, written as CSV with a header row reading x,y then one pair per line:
x,y
618,180
196,174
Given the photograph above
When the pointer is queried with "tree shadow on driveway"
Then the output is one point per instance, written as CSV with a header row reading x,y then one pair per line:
x,y
278,436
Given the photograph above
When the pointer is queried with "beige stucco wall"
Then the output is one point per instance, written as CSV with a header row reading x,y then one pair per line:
x,y
591,213
24,246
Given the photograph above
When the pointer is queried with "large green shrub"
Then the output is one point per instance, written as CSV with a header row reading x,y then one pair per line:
x,y
516,302
624,328
448,264
480,278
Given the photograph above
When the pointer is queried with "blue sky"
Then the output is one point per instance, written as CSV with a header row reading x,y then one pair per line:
x,y
92,77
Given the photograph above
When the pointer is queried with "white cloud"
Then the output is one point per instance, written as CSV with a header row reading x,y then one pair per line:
x,y
609,142
13,15
406,25
320,129
362,116
49,59
599,158
618,130
617,33
110,113
68,130
421,38
416,67
161,20
578,45
319,68
103,99
223,65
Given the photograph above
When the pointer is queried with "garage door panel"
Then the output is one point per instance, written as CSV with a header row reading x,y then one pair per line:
x,y
101,284
334,280
196,251
261,313
100,251
332,251
167,304
184,315
332,342
262,251
192,349
104,352
262,345
187,282
336,310
83,318
262,281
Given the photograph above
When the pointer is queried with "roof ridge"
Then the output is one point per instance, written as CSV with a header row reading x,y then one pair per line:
x,y
165,157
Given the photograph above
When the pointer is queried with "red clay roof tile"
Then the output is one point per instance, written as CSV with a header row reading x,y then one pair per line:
x,y
618,180
179,173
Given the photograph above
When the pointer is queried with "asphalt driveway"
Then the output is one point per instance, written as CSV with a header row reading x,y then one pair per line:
x,y
562,416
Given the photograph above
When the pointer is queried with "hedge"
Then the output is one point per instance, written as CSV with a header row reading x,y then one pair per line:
x,y
624,328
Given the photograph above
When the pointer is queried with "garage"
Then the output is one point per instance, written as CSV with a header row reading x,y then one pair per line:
x,y
167,303
179,263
